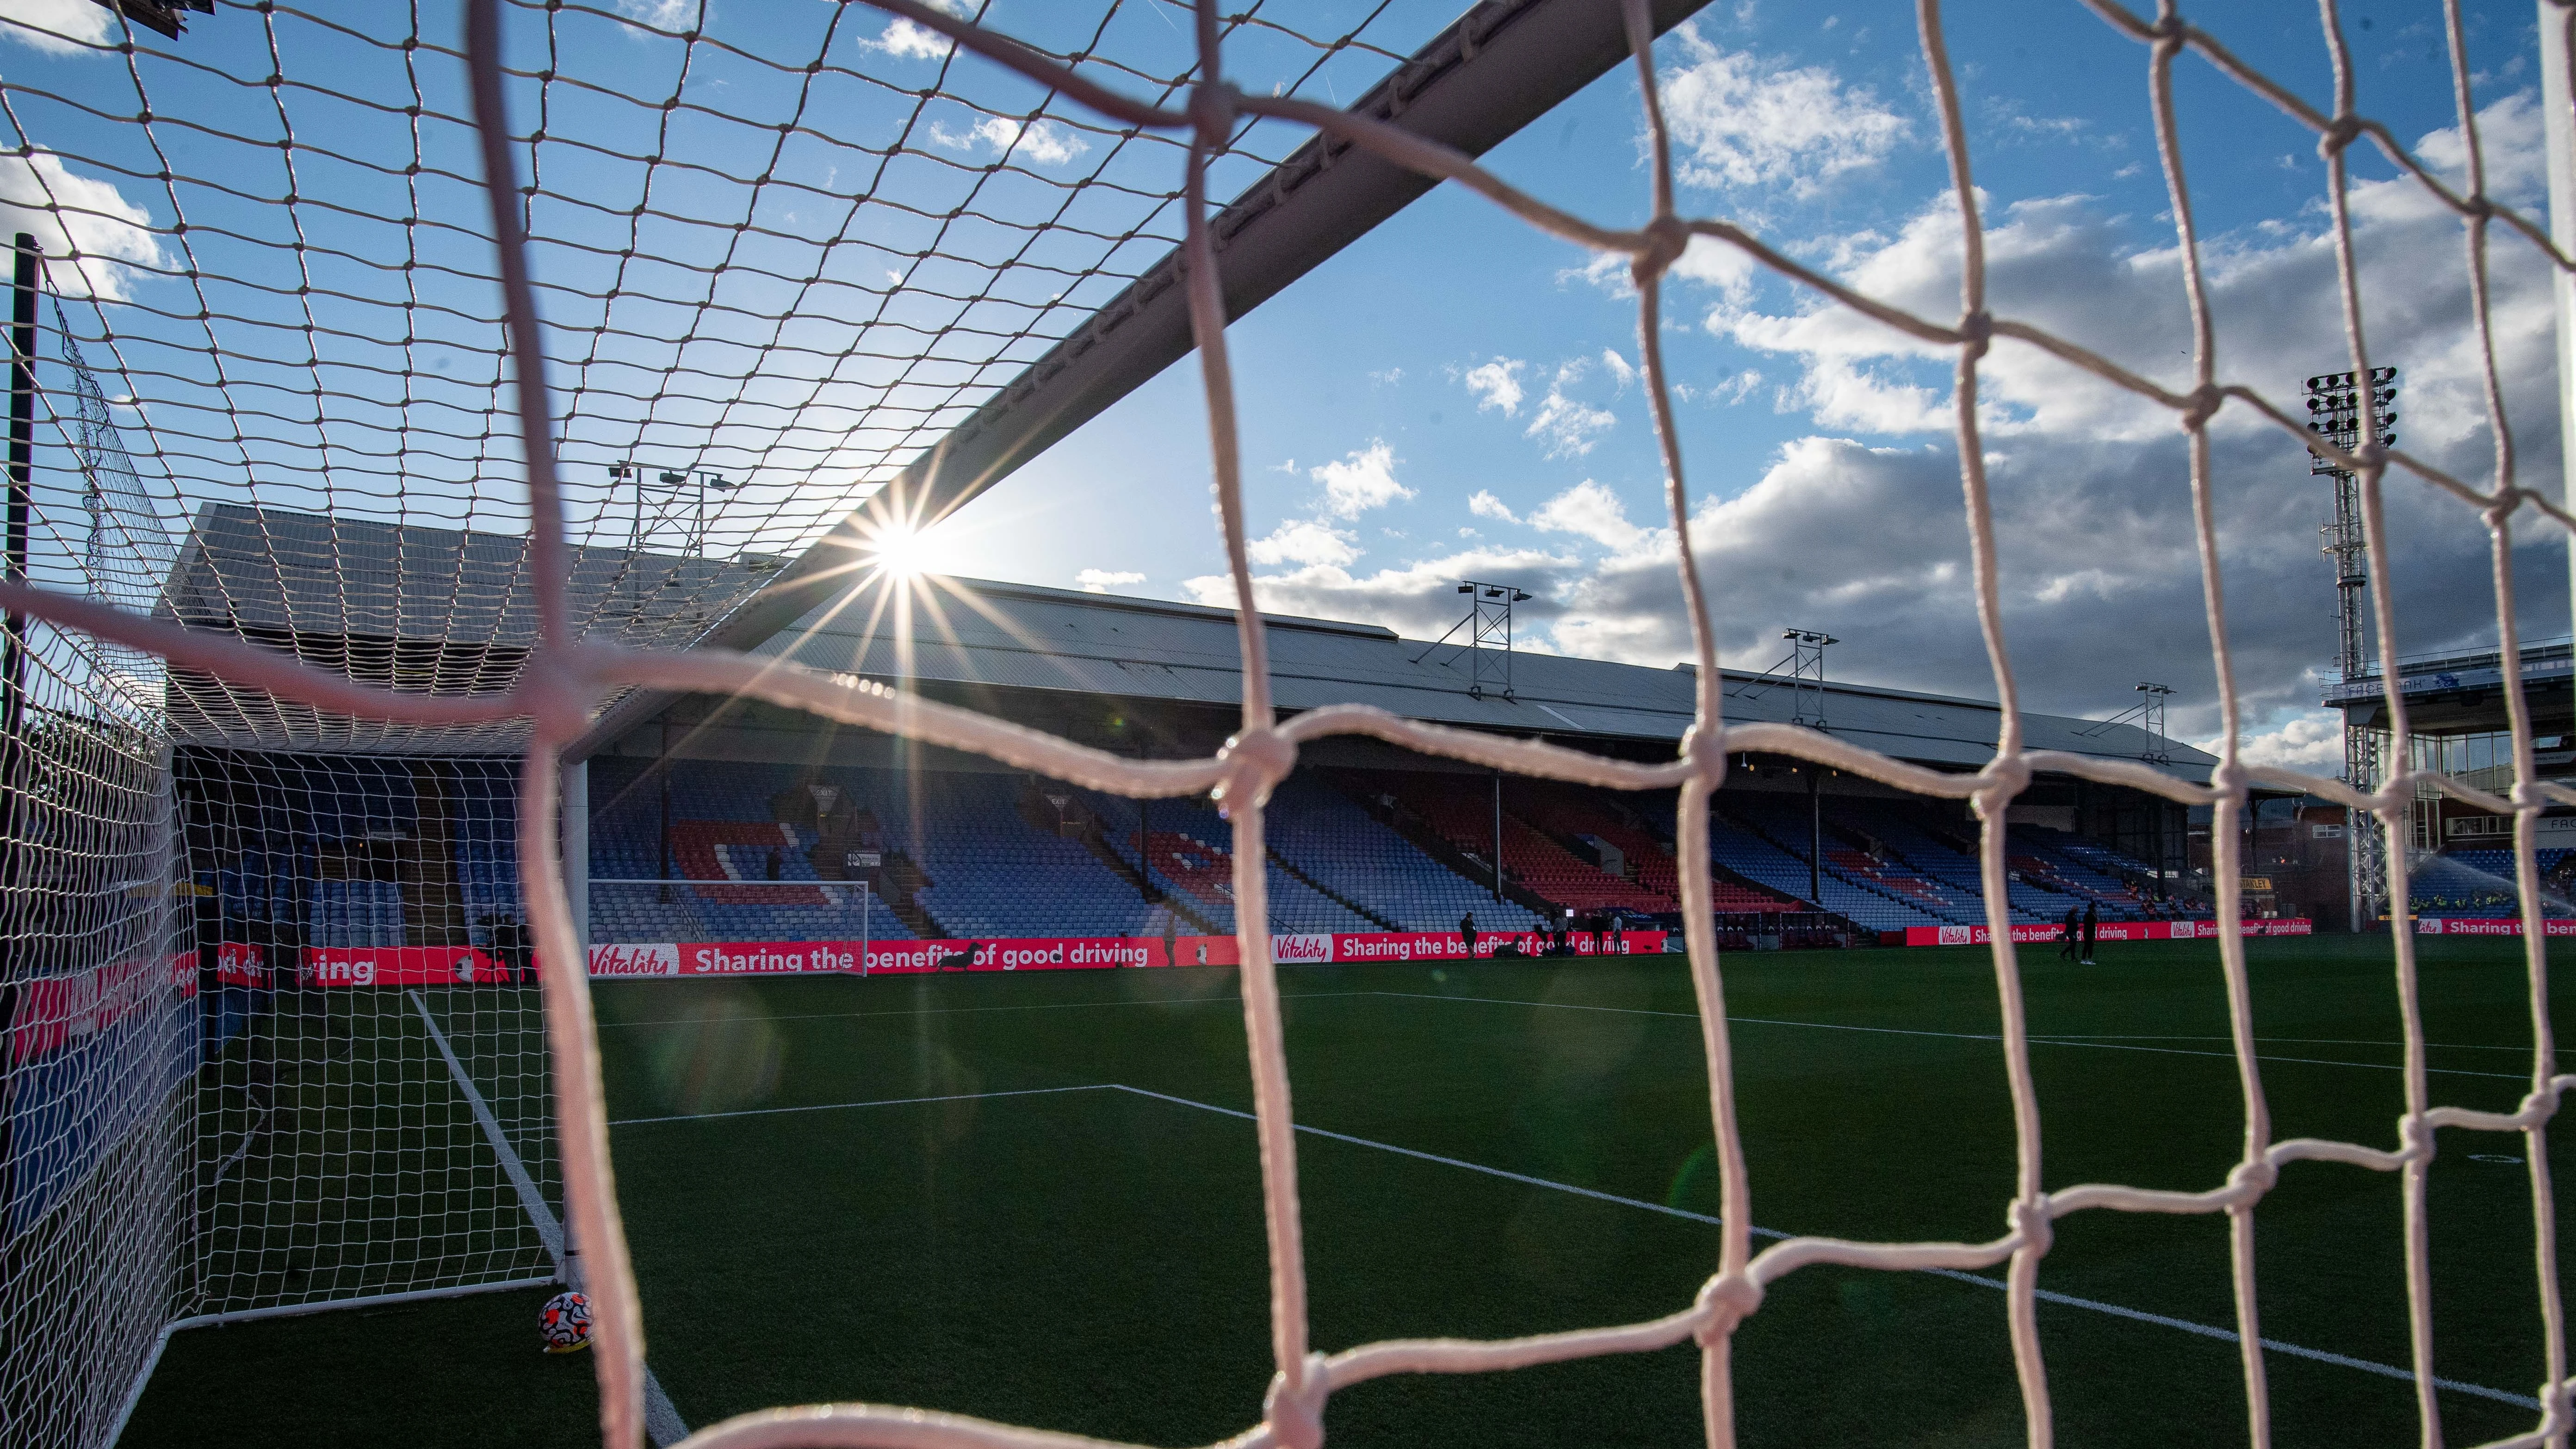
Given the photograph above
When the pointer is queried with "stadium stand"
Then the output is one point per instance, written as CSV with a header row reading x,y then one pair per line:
x,y
1953,869
2060,861
724,826
2478,884
1464,818
1888,897
1191,853
1328,837
969,853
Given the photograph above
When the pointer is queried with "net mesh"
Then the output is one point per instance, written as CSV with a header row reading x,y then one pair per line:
x,y
924,367
774,264
372,1116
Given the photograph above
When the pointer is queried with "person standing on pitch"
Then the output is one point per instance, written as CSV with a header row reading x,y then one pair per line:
x,y
2072,936
1171,937
1467,933
2092,930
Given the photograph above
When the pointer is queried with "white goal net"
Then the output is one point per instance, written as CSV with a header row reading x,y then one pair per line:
x,y
584,608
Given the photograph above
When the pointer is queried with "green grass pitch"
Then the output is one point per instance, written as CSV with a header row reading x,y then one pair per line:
x,y
988,1241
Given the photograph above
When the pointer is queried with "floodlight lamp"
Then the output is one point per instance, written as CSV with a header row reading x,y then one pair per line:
x,y
1520,596
675,479
1466,588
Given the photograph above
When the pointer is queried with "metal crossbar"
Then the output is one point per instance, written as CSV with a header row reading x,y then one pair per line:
x,y
569,676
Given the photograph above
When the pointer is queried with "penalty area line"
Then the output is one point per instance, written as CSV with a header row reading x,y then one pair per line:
x,y
2036,1039
2069,1300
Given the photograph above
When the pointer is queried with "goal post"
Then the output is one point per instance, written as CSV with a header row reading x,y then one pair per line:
x,y
300,897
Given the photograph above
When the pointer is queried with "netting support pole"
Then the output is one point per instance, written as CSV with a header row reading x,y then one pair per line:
x,y
2558,107
1498,835
576,846
22,465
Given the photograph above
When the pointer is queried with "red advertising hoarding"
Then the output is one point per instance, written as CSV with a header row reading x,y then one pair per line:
x,y
2051,932
399,966
240,965
1048,953
2510,926
52,1012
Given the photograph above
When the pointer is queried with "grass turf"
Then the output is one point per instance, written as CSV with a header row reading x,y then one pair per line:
x,y
1092,1260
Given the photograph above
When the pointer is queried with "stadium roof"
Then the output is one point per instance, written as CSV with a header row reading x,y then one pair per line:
x,y
440,610
1021,636
450,612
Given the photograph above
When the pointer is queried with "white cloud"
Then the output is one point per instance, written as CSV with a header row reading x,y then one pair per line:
x,y
1485,505
1101,581
1418,599
2311,741
904,38
1735,389
58,27
659,14
1044,142
1302,541
1620,371
1743,120
2089,485
1388,377
1591,511
1497,384
91,234
1566,426
1362,481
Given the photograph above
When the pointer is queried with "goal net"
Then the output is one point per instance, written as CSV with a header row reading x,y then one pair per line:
x,y
374,658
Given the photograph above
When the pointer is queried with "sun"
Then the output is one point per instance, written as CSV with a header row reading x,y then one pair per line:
x,y
901,553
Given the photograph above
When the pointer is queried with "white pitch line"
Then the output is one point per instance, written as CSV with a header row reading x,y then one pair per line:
x,y
849,1106
968,1010
2228,1335
2448,1046
1951,1035
2069,1300
662,1422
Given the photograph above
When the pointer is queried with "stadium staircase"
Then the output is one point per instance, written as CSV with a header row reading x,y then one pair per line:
x,y
1191,856
1440,828
433,906
1949,866
1351,853
1871,900
1282,862
1061,810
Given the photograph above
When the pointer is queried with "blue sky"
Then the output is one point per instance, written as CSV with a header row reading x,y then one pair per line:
x,y
1452,396
1372,366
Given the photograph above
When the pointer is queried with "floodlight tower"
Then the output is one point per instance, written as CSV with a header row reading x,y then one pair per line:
x,y
674,486
1488,625
1807,675
2343,411
2151,718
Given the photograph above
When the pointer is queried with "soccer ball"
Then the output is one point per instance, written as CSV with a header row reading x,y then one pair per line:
x,y
564,1323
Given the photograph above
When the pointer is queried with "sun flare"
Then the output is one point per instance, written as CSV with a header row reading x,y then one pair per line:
x,y
902,553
